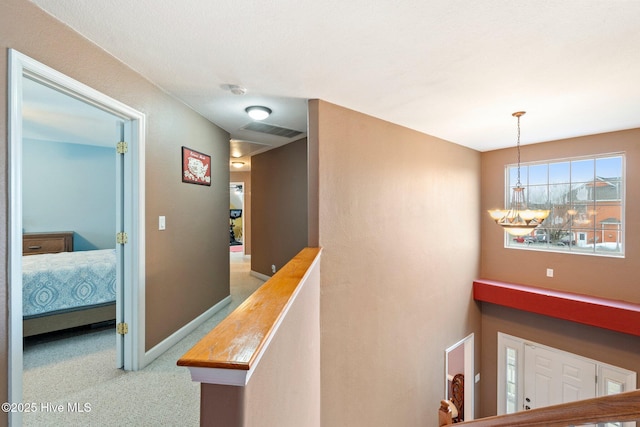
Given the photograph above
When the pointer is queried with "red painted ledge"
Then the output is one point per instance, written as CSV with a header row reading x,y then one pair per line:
x,y
620,316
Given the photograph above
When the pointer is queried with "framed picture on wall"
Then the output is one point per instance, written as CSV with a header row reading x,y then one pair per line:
x,y
196,167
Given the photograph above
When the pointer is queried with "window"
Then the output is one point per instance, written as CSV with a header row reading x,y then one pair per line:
x,y
511,381
585,197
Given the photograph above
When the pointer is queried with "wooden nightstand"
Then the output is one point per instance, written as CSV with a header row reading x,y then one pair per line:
x,y
46,243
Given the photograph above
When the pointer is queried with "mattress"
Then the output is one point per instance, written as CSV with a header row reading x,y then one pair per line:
x,y
67,281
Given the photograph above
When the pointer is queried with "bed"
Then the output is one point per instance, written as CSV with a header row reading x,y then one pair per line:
x,y
67,289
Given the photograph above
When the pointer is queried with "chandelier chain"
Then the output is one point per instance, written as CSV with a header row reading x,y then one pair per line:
x,y
518,145
517,220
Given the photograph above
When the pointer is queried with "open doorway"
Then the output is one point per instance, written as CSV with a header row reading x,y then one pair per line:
x,y
459,379
69,293
126,204
236,217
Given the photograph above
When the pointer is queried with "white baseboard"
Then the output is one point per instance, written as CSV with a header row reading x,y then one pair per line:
x,y
174,338
260,275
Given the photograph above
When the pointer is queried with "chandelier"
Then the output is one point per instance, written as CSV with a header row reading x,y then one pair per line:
x,y
518,220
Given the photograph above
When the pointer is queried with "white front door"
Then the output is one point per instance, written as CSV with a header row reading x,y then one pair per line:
x,y
554,377
532,375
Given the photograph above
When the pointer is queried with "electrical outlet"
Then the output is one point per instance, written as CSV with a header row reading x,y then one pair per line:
x,y
273,268
549,272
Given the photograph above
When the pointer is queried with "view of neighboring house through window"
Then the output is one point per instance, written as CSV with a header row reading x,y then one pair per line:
x,y
585,197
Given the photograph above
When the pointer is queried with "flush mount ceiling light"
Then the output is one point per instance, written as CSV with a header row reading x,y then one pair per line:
x,y
258,112
517,220
237,164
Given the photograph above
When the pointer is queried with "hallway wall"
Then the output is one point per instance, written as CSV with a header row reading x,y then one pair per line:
x,y
278,205
398,262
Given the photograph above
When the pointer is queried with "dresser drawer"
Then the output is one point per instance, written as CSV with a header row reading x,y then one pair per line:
x,y
46,243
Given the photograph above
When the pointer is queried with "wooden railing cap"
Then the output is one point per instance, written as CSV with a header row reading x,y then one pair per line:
x,y
237,340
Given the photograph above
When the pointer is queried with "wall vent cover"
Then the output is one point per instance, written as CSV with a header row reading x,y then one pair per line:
x,y
271,130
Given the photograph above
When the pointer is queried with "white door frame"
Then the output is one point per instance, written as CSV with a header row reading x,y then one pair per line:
x,y
133,264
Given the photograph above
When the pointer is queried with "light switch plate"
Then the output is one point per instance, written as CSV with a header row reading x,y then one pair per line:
x,y
162,224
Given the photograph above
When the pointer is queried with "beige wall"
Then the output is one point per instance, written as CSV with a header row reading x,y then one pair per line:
x,y
613,278
278,205
186,265
246,213
594,275
400,252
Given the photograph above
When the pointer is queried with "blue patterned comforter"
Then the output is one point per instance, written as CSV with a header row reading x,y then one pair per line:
x,y
67,280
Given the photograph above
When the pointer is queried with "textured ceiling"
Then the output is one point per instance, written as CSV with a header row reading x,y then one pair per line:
x,y
449,68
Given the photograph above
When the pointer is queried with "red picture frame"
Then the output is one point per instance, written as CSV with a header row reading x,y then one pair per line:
x,y
196,167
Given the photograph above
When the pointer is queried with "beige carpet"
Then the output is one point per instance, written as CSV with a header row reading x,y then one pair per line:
x,y
76,373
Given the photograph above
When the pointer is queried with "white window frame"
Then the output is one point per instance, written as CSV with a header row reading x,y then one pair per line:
x,y
573,248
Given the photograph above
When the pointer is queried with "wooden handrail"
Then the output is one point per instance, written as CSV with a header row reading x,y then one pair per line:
x,y
236,341
613,408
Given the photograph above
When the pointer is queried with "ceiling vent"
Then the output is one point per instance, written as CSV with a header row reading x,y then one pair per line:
x,y
271,130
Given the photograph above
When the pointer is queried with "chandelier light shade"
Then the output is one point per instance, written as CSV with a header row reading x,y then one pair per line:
x,y
258,112
517,220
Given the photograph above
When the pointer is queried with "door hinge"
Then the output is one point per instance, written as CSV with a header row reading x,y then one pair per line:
x,y
122,147
122,328
121,238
